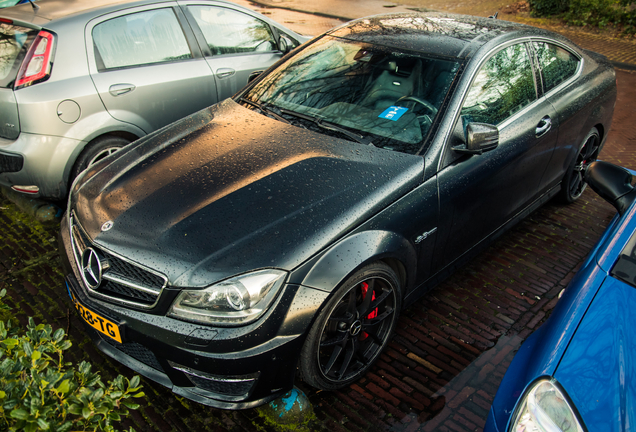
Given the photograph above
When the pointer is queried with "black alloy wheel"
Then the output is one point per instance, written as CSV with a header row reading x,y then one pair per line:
x,y
573,184
352,329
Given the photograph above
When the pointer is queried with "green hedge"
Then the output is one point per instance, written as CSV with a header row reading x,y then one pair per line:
x,y
598,13
40,391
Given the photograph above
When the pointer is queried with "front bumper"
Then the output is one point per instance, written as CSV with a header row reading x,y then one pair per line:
x,y
223,367
43,161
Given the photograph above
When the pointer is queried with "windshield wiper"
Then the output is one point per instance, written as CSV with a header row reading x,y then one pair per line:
x,y
264,110
328,126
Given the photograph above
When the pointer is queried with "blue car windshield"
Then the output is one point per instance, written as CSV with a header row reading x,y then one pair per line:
x,y
387,97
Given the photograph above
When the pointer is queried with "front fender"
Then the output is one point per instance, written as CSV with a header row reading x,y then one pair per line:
x,y
330,269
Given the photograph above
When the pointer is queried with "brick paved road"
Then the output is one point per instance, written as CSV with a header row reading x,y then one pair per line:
x,y
451,348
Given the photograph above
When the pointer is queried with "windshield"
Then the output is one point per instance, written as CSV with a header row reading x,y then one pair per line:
x,y
388,97
14,42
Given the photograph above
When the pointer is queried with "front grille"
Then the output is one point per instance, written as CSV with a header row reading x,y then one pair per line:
x,y
136,351
122,280
122,291
10,163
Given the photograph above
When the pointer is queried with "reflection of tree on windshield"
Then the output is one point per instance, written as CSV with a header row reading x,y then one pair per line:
x,y
351,84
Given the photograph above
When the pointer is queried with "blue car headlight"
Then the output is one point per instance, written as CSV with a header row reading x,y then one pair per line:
x,y
545,408
235,301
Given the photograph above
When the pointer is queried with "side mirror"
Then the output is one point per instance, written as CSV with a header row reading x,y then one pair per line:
x,y
480,137
612,183
253,76
284,45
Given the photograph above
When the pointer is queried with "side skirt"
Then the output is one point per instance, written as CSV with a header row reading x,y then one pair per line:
x,y
444,273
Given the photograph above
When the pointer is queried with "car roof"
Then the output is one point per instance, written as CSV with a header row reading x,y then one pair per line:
x,y
447,35
50,10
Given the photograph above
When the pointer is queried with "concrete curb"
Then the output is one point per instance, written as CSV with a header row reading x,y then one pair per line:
x,y
320,14
624,66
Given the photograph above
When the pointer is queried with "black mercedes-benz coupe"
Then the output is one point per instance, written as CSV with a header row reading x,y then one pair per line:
x,y
280,232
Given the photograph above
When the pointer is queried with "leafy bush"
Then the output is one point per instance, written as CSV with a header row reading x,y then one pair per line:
x,y
548,7
39,391
598,13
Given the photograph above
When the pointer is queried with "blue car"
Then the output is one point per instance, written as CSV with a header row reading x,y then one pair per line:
x,y
578,371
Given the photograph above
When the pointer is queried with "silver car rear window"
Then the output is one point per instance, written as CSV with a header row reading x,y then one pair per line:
x,y
14,43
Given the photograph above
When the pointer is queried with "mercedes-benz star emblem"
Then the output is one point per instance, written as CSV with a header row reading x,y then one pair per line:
x,y
91,268
355,328
107,225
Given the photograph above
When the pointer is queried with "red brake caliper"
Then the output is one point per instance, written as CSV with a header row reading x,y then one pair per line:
x,y
365,288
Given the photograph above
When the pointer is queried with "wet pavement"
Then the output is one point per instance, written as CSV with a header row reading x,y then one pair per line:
x,y
451,348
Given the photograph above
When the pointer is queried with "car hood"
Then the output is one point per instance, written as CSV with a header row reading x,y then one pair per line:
x,y
598,370
228,190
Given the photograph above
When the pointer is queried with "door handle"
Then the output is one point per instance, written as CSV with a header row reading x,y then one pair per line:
x,y
545,124
225,72
120,89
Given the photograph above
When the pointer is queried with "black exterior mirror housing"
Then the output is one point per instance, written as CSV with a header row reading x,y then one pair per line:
x,y
480,137
612,183
283,45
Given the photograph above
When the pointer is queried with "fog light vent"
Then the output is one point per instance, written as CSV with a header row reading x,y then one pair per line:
x,y
11,163
234,387
138,352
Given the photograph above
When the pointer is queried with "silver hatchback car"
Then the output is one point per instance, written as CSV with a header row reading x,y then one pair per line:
x,y
81,79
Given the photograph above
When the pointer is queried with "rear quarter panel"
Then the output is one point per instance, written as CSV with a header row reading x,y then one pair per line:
x,y
588,102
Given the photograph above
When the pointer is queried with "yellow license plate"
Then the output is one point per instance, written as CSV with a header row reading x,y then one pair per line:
x,y
96,321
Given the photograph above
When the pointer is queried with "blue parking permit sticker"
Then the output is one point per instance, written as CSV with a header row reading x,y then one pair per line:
x,y
393,113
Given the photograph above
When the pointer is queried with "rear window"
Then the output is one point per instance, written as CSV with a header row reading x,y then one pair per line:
x,y
14,43
142,38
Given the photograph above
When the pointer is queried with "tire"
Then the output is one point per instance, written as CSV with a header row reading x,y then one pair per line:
x,y
95,151
573,185
352,329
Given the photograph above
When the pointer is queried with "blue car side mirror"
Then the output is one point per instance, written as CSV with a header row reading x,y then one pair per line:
x,y
612,183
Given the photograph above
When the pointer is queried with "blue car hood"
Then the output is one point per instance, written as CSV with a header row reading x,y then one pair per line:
x,y
598,368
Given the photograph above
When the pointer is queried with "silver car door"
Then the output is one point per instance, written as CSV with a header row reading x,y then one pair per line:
x,y
237,45
147,66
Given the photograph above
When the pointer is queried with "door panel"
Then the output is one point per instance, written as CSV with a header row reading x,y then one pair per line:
x,y
160,94
480,193
232,73
145,71
237,44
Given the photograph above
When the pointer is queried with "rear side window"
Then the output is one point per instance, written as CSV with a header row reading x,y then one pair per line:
x,y
139,39
227,31
556,63
14,44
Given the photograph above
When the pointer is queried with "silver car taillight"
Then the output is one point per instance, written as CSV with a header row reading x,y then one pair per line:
x,y
38,62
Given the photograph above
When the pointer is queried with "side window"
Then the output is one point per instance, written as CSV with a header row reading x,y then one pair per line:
x,y
227,31
503,86
556,63
141,38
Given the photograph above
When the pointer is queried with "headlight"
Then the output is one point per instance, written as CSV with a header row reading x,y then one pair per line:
x,y
238,300
544,408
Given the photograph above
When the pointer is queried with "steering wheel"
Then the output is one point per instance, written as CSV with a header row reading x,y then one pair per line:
x,y
426,103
